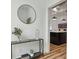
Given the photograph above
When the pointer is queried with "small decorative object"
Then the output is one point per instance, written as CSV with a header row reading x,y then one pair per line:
x,y
17,32
37,54
19,57
26,56
28,21
31,52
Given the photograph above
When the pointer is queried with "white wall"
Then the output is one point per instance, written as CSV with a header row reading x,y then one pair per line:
x,y
28,29
41,23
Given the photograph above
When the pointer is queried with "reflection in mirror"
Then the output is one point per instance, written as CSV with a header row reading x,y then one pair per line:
x,y
26,14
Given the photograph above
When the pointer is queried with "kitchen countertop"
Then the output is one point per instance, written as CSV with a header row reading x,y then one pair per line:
x,y
58,31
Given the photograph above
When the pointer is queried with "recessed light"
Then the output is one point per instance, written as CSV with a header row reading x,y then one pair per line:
x,y
55,9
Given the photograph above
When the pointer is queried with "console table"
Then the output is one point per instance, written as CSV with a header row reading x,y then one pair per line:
x,y
41,44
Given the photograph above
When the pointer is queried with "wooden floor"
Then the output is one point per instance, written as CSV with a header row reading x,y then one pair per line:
x,y
56,52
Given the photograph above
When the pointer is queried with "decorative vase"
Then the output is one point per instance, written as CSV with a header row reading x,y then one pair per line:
x,y
19,37
31,53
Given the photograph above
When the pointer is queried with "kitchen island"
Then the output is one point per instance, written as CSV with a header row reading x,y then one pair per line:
x,y
58,37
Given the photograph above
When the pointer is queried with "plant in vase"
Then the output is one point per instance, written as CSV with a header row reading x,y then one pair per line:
x,y
17,32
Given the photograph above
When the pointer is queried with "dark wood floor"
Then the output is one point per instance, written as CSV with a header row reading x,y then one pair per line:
x,y
56,52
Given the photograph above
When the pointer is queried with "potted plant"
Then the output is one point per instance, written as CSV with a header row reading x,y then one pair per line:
x,y
17,32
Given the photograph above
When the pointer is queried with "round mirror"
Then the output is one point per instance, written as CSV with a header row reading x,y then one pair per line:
x,y
26,14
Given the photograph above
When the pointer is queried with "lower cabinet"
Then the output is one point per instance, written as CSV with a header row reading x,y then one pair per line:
x,y
58,37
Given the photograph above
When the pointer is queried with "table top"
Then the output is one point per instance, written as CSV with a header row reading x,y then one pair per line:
x,y
24,41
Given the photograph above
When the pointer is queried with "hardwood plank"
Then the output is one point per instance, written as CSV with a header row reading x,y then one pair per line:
x,y
56,52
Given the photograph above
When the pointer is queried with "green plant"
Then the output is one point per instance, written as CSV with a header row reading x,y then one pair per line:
x,y
17,32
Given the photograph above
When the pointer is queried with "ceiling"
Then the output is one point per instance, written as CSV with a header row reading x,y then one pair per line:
x,y
59,8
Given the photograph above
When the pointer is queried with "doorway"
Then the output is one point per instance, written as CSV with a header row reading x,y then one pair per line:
x,y
57,16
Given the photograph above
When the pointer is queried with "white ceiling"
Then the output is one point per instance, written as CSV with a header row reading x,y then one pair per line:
x,y
61,10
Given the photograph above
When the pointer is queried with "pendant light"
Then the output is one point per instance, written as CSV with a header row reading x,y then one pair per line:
x,y
54,18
